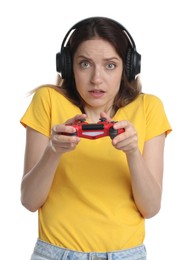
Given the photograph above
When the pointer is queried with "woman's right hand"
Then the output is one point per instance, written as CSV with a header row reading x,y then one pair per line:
x,y
42,155
60,142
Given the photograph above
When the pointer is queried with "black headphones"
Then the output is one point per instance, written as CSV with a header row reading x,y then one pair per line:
x,y
64,59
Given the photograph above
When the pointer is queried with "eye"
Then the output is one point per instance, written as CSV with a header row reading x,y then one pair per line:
x,y
110,66
84,64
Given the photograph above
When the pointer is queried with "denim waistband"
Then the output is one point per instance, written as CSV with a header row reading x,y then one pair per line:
x,y
49,251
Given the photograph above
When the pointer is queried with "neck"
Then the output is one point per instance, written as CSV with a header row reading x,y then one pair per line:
x,y
93,115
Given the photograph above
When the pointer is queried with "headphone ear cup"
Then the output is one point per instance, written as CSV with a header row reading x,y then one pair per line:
x,y
133,64
64,63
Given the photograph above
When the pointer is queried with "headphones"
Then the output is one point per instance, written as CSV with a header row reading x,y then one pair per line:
x,y
64,59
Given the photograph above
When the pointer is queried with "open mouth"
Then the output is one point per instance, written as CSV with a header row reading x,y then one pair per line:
x,y
96,93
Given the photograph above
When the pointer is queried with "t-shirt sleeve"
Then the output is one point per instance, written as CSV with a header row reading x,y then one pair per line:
x,y
38,113
156,119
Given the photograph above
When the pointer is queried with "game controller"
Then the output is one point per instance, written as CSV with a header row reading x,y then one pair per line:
x,y
94,131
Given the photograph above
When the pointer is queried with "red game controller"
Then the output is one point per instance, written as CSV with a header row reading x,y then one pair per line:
x,y
94,131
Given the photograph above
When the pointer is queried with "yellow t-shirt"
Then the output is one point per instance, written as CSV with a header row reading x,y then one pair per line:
x,y
90,206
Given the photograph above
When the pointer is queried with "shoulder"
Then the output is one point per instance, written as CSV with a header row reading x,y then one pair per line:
x,y
148,101
47,90
152,102
145,101
148,98
147,104
47,94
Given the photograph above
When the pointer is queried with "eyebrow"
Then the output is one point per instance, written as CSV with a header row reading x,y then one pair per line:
x,y
106,59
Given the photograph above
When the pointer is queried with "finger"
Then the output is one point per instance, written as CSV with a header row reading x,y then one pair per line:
x,y
60,129
76,118
122,124
104,115
65,139
119,138
64,142
62,146
52,146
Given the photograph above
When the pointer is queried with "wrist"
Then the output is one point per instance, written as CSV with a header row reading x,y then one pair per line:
x,y
133,153
52,152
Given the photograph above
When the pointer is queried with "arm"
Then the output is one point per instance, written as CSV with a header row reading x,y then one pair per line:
x,y
146,169
39,167
42,155
147,174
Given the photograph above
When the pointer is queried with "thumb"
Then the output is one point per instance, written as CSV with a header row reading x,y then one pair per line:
x,y
105,115
76,118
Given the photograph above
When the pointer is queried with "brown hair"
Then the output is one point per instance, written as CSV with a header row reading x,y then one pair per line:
x,y
109,30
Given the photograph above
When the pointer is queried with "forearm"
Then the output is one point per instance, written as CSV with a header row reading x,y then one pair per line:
x,y
37,182
146,189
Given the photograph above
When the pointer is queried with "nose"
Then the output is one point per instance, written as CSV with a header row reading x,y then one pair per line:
x,y
96,76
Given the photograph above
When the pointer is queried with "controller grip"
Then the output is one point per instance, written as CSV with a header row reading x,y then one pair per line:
x,y
113,132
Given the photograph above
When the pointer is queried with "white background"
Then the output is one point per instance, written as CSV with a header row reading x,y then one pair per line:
x,y
31,35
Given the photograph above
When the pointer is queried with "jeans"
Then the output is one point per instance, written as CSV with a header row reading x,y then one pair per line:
x,y
46,251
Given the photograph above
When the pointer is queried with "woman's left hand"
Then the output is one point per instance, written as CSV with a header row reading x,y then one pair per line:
x,y
128,140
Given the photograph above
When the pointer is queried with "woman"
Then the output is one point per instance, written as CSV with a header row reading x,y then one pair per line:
x,y
92,196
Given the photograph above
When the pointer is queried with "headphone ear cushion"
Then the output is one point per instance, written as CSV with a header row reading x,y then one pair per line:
x,y
64,63
133,63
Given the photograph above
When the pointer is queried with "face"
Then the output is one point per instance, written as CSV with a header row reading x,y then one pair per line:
x,y
97,71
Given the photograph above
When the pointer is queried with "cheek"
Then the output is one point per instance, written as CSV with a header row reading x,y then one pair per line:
x,y
80,77
82,82
80,86
116,84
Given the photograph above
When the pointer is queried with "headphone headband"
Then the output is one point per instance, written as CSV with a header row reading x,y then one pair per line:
x,y
64,60
80,23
